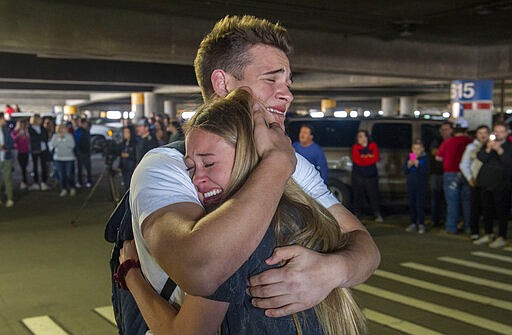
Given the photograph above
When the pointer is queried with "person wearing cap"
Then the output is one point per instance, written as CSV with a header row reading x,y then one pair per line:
x,y
456,188
147,140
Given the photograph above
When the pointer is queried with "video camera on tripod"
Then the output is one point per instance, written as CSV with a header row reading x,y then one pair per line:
x,y
111,150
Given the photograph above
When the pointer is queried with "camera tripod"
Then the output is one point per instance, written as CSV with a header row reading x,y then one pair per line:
x,y
113,187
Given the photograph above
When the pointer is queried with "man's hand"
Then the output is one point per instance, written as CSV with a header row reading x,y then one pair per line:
x,y
472,182
272,142
300,284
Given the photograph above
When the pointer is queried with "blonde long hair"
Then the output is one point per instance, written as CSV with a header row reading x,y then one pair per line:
x,y
299,219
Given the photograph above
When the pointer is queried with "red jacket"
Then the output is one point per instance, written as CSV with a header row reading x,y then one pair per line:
x,y
365,156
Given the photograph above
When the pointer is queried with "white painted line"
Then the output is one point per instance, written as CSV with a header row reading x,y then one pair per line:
x,y
475,265
502,258
459,276
43,325
482,299
107,312
398,324
468,318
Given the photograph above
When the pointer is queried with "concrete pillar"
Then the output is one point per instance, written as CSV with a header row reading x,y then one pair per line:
x,y
170,108
328,106
150,104
389,105
138,106
407,105
69,111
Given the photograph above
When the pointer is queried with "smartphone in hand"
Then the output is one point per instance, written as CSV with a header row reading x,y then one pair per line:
x,y
412,156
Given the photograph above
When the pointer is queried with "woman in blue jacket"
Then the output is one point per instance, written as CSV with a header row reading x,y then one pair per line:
x,y
416,168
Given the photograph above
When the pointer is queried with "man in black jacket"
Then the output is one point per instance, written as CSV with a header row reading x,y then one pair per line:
x,y
39,151
494,178
147,140
83,151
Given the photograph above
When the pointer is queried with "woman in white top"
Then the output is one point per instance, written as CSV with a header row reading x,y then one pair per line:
x,y
63,145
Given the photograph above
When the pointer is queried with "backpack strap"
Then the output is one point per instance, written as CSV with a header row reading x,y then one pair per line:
x,y
169,286
168,289
178,145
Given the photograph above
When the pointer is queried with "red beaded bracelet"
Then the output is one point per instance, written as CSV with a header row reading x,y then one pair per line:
x,y
122,270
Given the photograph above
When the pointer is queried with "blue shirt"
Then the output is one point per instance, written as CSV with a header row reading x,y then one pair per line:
x,y
314,154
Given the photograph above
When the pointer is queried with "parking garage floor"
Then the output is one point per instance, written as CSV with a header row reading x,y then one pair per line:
x,y
54,276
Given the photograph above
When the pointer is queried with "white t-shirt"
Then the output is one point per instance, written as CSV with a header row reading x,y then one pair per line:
x,y
161,179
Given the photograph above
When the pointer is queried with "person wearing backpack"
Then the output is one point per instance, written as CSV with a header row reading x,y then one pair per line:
x,y
173,236
220,131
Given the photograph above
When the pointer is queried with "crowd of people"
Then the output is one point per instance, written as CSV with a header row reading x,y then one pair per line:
x,y
59,156
474,173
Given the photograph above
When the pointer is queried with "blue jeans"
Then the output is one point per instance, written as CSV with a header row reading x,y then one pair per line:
x,y
457,192
64,168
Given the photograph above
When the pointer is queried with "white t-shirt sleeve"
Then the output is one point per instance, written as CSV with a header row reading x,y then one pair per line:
x,y
159,180
311,182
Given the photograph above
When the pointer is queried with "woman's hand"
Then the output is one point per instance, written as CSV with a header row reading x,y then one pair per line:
x,y
128,251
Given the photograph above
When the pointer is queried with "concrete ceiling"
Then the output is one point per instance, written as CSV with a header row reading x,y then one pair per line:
x,y
352,51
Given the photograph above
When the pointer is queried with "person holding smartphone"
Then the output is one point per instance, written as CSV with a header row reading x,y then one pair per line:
x,y
494,178
416,169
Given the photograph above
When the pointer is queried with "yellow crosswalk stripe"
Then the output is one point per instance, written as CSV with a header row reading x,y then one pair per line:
x,y
107,312
445,290
475,265
502,258
398,324
468,318
459,276
43,325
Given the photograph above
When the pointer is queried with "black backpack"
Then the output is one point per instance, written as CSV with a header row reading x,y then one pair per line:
x,y
117,230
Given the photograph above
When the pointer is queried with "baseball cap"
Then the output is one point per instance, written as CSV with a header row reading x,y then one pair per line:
x,y
461,123
142,122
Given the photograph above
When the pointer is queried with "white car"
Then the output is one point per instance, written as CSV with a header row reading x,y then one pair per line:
x,y
102,130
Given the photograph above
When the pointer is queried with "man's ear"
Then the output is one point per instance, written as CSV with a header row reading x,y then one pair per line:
x,y
219,82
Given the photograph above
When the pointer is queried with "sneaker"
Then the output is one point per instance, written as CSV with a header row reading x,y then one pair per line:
x,y
483,240
9,203
421,229
34,187
498,243
44,187
379,218
474,237
23,186
88,184
72,192
78,185
63,193
411,228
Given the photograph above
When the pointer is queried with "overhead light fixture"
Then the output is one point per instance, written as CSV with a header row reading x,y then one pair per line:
x,y
187,115
316,115
366,113
380,113
446,115
353,114
340,114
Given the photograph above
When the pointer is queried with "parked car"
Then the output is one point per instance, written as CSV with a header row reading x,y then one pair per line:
x,y
393,136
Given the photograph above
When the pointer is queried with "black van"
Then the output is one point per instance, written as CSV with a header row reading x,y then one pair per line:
x,y
393,136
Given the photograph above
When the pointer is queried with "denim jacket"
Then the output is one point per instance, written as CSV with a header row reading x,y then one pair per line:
x,y
8,143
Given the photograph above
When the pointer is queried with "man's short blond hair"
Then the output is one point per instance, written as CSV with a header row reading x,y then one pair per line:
x,y
226,47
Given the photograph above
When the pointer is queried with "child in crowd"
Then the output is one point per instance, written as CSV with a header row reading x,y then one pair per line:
x,y
416,169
